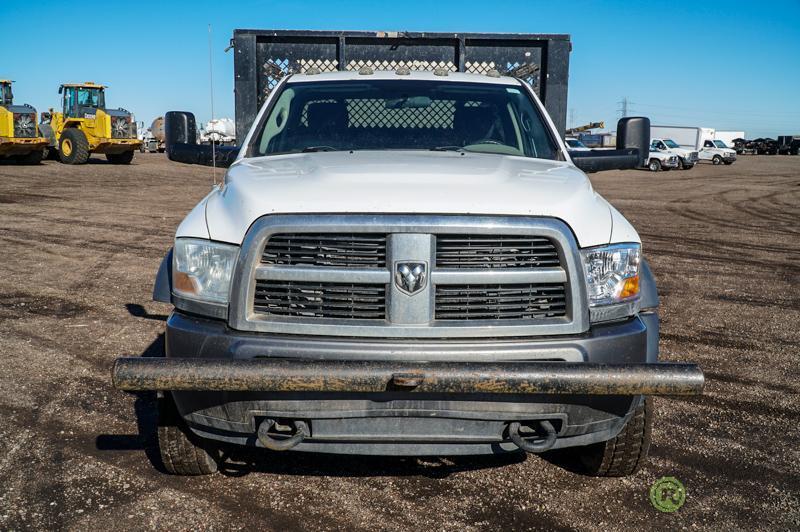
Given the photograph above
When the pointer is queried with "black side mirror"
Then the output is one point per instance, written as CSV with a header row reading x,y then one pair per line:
x,y
180,137
633,147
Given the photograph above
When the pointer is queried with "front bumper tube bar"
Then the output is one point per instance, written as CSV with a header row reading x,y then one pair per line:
x,y
281,375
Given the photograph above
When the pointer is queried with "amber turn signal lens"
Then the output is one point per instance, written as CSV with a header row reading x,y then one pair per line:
x,y
184,283
630,288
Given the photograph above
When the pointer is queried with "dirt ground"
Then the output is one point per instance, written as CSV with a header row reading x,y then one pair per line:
x,y
80,248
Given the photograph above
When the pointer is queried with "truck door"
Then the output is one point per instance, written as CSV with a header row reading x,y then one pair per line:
x,y
70,103
707,152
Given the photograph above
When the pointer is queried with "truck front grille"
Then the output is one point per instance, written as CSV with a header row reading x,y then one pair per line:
x,y
409,276
500,302
495,251
320,300
335,250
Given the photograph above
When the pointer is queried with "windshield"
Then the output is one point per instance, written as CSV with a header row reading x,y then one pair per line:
x,y
720,144
670,143
404,115
91,98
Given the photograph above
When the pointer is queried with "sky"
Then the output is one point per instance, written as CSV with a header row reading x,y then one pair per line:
x,y
727,65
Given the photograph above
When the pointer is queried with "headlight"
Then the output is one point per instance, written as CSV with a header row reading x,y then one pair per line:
x,y
612,280
202,269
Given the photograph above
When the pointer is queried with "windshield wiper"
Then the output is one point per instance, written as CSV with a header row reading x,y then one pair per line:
x,y
447,148
317,148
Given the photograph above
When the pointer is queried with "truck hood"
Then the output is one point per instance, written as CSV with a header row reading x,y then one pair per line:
x,y
683,152
406,182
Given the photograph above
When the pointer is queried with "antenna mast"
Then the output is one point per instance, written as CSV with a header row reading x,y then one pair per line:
x,y
211,88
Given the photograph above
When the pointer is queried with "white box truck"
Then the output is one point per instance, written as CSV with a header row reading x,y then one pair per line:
x,y
697,138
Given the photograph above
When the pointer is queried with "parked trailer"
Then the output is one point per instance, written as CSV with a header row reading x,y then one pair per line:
x,y
789,144
263,57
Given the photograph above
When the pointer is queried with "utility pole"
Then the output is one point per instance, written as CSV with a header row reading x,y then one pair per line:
x,y
624,106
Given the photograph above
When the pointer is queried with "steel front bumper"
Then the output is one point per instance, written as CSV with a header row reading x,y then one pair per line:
x,y
341,376
407,398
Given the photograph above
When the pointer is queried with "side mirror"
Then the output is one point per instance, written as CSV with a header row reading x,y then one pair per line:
x,y
633,147
180,137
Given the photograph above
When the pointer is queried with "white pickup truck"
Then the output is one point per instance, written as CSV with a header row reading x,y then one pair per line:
x,y
686,158
659,160
407,263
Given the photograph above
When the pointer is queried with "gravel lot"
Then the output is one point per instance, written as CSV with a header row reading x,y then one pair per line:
x,y
80,248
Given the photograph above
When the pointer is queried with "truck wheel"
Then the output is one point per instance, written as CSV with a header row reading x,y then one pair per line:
x,y
654,165
181,451
34,157
120,158
73,148
624,454
717,160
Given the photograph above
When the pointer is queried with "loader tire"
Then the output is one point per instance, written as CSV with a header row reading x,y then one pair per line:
x,y
120,158
622,455
182,452
73,148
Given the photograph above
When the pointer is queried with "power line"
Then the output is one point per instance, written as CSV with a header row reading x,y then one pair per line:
x,y
731,110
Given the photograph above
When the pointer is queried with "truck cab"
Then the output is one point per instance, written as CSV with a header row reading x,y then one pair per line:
x,y
686,158
717,152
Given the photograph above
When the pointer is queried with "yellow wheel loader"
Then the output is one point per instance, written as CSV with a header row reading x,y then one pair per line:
x,y
19,135
85,126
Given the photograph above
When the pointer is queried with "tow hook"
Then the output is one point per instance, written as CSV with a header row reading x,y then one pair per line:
x,y
282,444
529,445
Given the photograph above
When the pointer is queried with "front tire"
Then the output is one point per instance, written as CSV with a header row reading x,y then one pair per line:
x,y
120,158
717,160
73,148
654,165
182,452
622,455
